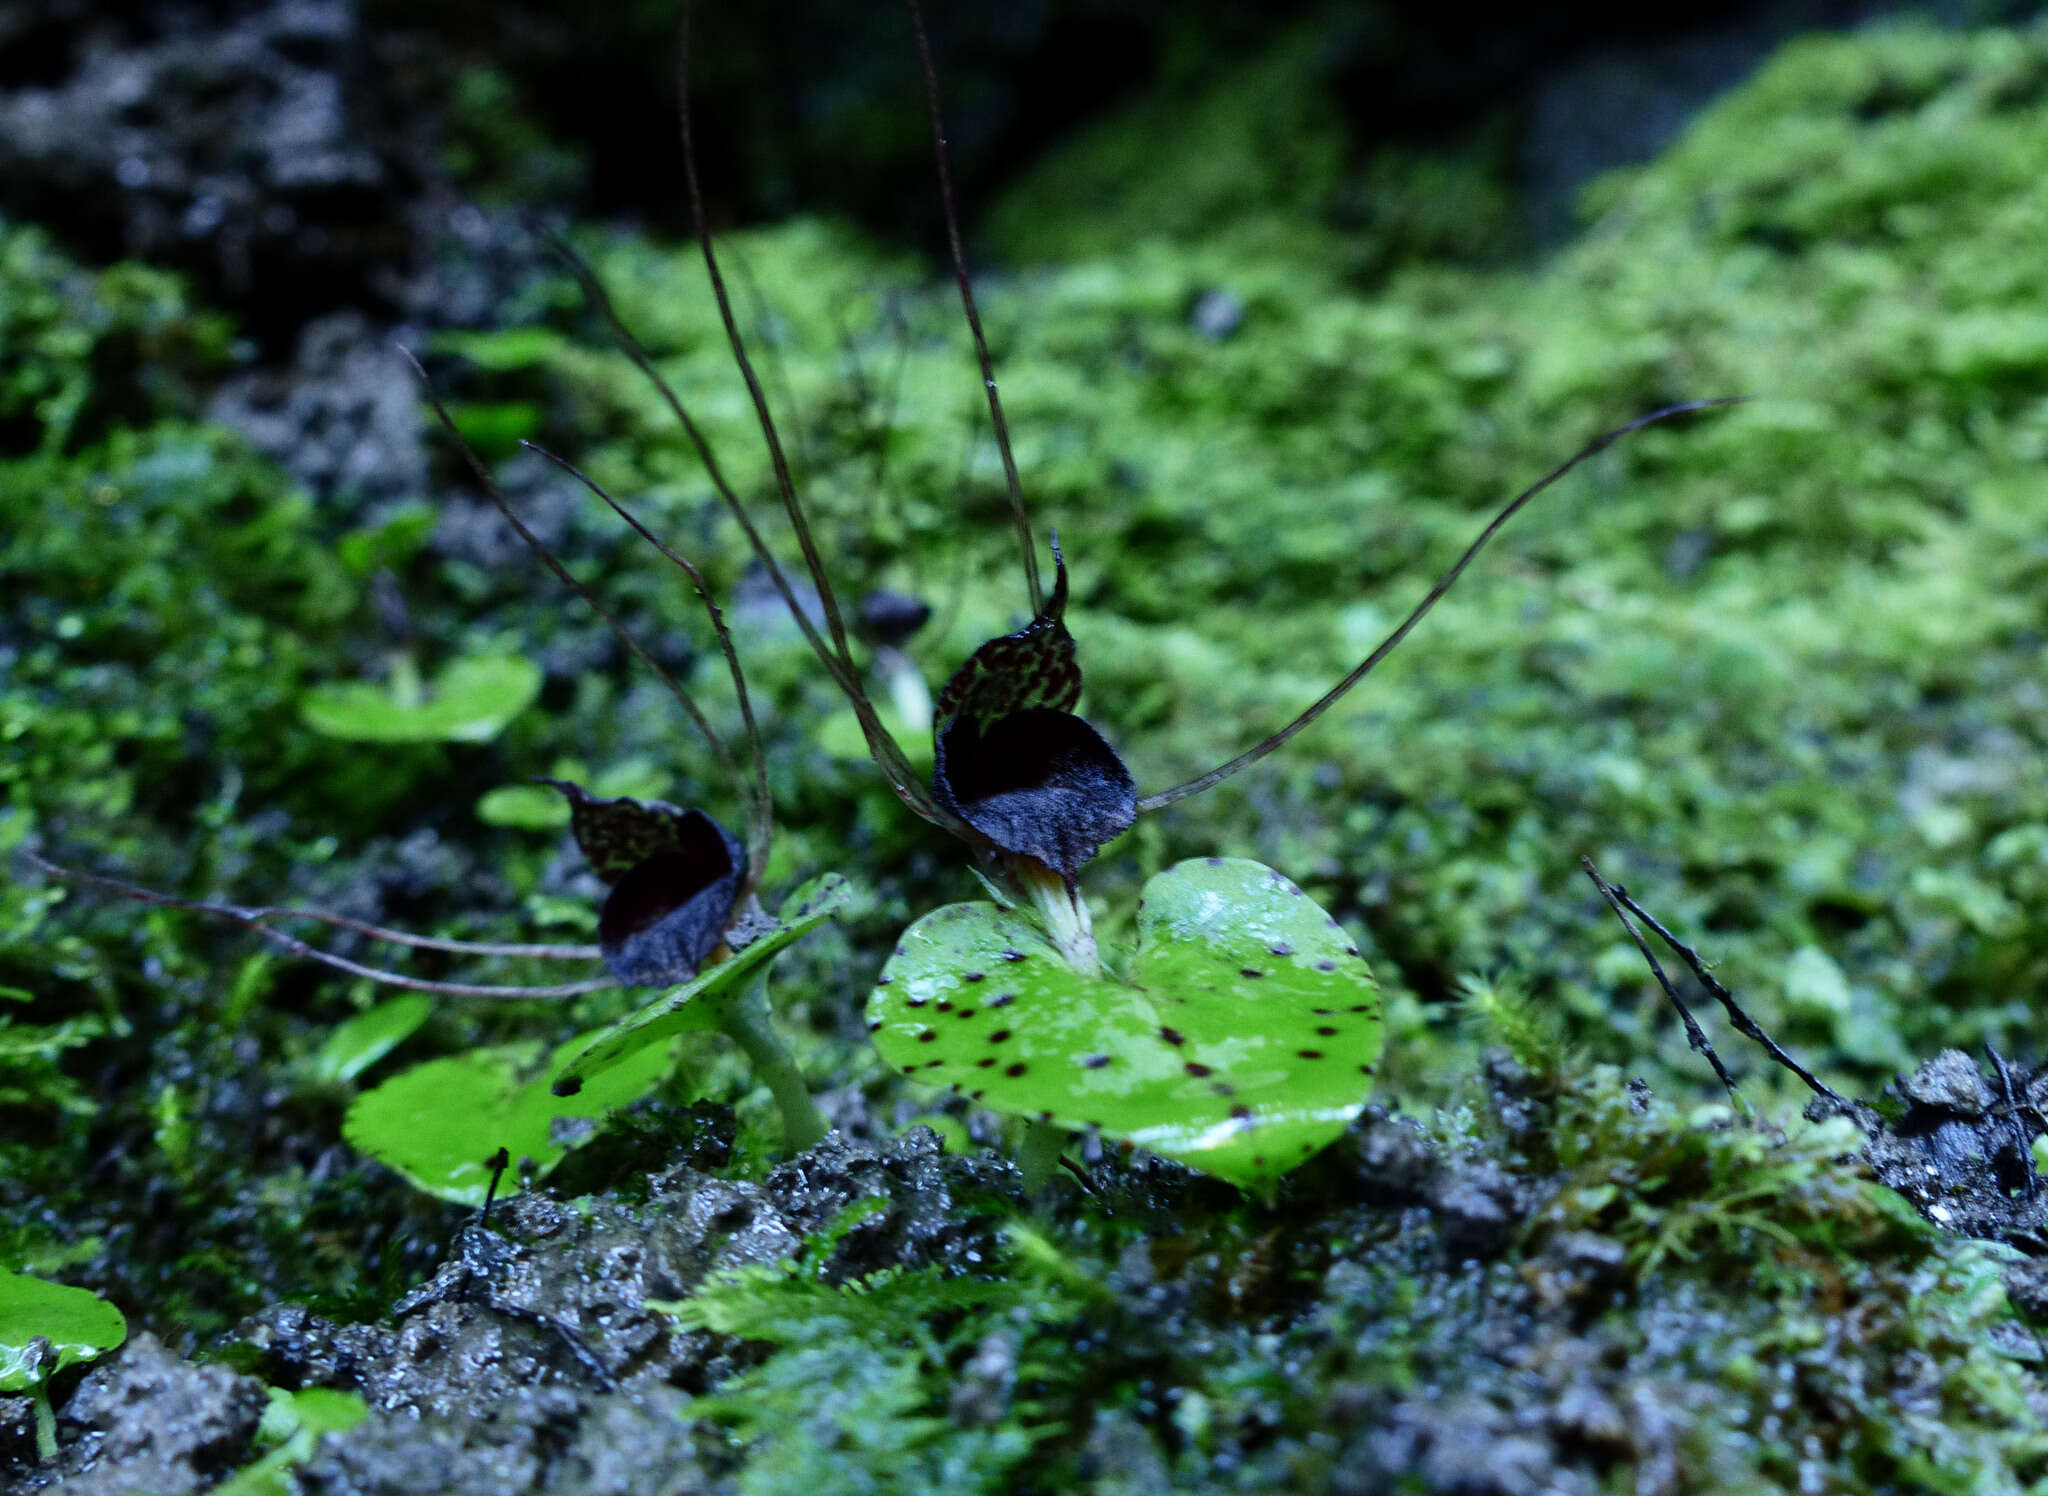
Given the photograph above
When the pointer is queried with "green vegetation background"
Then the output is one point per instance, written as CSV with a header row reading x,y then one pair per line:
x,y
1778,669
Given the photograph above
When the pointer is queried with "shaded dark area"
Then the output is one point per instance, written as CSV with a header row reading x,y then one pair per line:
x,y
305,156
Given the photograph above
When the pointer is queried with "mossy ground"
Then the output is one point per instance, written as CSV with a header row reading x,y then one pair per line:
x,y
1778,669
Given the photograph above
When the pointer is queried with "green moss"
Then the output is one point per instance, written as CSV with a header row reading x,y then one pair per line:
x,y
1778,670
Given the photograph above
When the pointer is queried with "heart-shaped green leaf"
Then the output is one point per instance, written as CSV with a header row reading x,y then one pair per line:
x,y
1247,1041
77,1324
695,1004
439,1124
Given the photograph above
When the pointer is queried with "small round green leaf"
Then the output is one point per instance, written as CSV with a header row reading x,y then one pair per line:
x,y
439,1124
522,807
694,1005
1247,1042
79,1325
469,702
363,1040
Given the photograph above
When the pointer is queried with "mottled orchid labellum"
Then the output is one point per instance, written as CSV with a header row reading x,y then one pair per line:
x,y
1012,760
675,877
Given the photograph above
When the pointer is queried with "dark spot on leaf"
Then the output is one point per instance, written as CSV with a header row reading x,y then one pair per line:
x,y
1310,1054
1249,971
1213,861
944,1005
1367,1069
1094,1061
1326,966
1013,955
999,1036
1359,1008
1326,1031
964,1013
1350,950
1173,1036
1002,999
874,1024
1241,1113
1197,1070
883,981
927,1036
1281,948
973,1095
972,976
1013,1071
983,1064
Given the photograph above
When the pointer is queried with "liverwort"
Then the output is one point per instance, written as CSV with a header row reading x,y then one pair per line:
x,y
1243,1032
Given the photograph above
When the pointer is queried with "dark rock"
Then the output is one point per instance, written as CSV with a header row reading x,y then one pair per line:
x,y
982,1396
532,1360
17,1436
144,1420
1949,1082
923,1223
1959,1146
1395,1161
342,417
1576,1267
255,146
2026,1284
300,1349
1479,1206
1464,1447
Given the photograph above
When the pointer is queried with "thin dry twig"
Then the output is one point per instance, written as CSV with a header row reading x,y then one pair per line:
x,y
1443,584
943,164
1694,1034
888,754
777,459
553,563
257,917
1618,898
760,811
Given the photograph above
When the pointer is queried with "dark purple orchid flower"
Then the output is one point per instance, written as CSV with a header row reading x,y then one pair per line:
x,y
1012,760
675,877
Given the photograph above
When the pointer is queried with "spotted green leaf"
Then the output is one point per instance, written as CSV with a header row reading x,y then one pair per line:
x,y
695,1004
77,1324
440,1123
1246,1040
